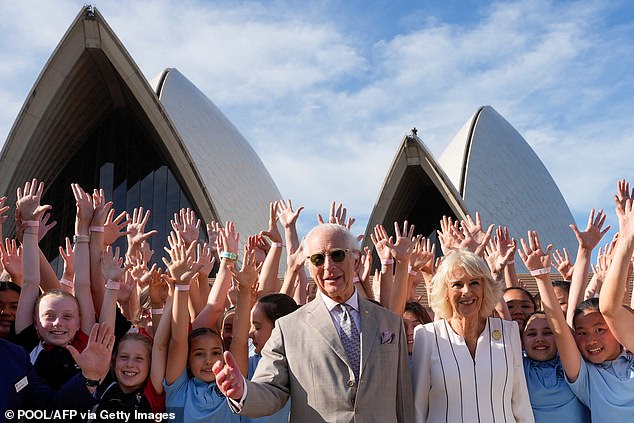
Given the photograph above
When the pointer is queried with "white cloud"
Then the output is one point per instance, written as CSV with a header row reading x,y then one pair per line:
x,y
326,110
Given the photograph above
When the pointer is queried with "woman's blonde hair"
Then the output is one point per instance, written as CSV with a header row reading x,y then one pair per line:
x,y
474,266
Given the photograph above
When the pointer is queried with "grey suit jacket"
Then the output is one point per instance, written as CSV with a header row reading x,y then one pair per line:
x,y
304,359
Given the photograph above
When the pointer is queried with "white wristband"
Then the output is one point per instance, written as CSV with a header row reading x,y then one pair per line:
x,y
387,261
66,282
277,244
156,311
412,271
539,272
510,262
181,287
113,284
96,229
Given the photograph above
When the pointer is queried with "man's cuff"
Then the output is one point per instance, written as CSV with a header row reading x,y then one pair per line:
x,y
236,406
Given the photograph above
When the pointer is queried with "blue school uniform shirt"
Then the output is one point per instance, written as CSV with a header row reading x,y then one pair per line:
x,y
607,389
551,397
194,401
281,416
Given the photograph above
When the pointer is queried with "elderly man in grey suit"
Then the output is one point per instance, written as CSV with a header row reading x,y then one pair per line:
x,y
339,358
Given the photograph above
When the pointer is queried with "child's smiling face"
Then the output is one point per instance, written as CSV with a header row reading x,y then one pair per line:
x,y
204,351
594,338
57,319
539,339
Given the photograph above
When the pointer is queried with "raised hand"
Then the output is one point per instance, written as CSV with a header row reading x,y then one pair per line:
x,y
448,235
113,228
259,246
112,264
365,265
248,275
401,250
68,255
213,230
11,256
136,227
624,212
623,192
137,268
188,226
533,255
158,287
589,238
85,208
127,285
181,265
285,213
297,259
476,230
338,215
474,241
495,258
28,204
95,360
205,259
563,264
272,232
382,243
229,238
45,226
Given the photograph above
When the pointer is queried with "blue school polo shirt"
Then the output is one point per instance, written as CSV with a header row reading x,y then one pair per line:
x,y
551,397
195,401
607,389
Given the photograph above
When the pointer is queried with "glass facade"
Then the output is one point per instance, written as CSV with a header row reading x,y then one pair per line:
x,y
119,156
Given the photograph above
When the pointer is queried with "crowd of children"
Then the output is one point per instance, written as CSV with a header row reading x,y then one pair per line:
x,y
117,336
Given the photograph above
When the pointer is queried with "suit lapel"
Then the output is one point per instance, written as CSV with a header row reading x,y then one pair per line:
x,y
369,328
318,317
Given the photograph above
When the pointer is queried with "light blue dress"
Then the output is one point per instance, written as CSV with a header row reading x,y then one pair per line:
x,y
607,389
551,397
195,401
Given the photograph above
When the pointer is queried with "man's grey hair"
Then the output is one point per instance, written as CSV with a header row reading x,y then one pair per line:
x,y
349,239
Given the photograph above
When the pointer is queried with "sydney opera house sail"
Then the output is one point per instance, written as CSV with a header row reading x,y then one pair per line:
x,y
415,189
93,118
498,174
488,168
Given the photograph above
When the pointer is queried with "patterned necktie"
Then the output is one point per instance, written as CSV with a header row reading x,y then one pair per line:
x,y
350,339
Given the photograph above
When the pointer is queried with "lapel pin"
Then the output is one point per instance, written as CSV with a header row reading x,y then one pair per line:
x,y
496,335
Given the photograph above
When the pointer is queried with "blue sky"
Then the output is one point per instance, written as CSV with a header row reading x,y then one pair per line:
x,y
337,84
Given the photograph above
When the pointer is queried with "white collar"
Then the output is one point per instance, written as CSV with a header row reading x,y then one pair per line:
x,y
353,301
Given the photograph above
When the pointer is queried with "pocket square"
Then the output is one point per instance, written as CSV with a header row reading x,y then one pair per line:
x,y
387,337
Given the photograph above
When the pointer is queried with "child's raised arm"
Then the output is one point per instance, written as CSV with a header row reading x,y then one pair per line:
x,y
537,261
29,210
81,282
619,319
182,269
247,278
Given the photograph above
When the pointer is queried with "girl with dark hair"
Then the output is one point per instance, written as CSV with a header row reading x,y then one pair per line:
x,y
414,315
551,397
520,303
190,383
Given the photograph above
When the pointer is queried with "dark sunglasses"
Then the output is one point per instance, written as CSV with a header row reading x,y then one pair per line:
x,y
337,256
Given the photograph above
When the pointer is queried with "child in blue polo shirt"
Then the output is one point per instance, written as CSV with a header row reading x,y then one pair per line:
x,y
551,397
